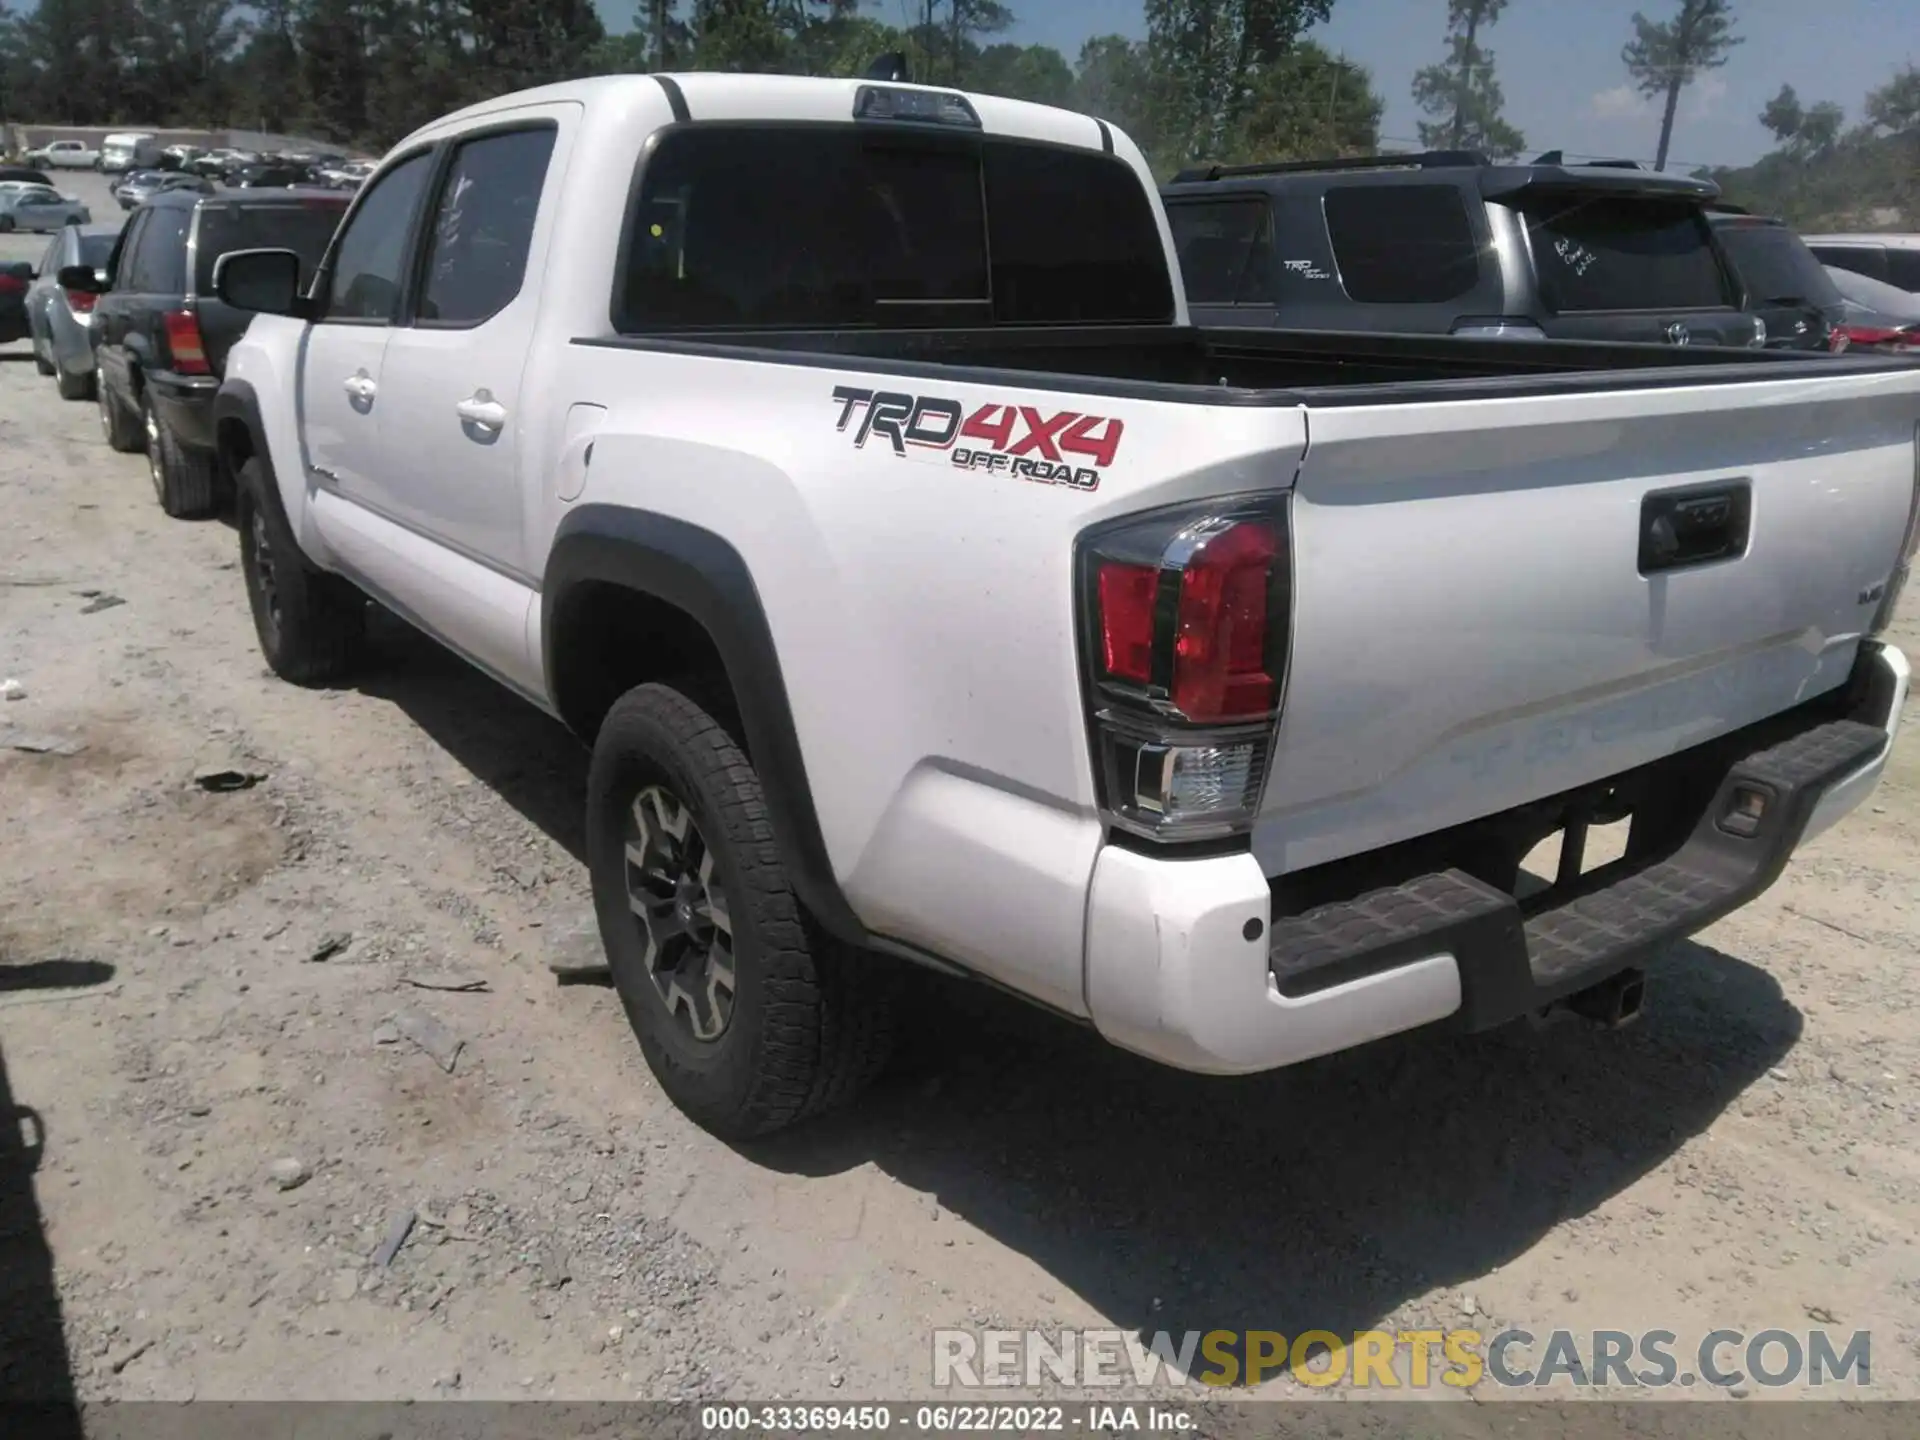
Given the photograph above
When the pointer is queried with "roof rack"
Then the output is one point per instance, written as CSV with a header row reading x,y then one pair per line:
x,y
1411,160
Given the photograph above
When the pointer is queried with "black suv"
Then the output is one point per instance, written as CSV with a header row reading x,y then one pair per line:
x,y
1781,280
1447,243
160,336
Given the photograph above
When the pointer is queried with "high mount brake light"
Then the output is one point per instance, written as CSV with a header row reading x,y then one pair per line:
x,y
1184,616
931,107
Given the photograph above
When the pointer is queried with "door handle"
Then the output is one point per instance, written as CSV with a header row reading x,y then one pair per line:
x,y
360,387
482,410
1694,526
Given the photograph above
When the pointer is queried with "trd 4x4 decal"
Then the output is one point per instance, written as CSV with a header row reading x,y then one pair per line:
x,y
1016,440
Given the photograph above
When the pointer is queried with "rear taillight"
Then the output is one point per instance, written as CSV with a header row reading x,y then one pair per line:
x,y
12,285
1184,616
81,302
1873,337
184,342
1909,543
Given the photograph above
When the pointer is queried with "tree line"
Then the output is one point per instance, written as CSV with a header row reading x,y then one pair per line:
x,y
1217,80
1824,174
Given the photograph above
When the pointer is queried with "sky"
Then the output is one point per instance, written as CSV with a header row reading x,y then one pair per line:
x,y
1559,63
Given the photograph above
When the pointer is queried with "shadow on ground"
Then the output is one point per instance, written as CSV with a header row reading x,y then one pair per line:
x,y
36,1380
528,758
1322,1196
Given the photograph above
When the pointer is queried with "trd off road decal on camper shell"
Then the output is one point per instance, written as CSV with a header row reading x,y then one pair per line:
x,y
1063,448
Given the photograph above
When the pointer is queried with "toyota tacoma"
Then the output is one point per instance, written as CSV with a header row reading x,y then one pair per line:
x,y
836,458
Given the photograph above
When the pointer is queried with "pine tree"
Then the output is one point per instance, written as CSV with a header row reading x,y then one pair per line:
x,y
1461,91
1665,57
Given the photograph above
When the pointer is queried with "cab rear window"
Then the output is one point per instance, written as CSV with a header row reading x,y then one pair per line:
x,y
830,226
1613,253
304,227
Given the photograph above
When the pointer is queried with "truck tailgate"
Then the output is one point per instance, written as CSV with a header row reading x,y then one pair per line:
x,y
1489,609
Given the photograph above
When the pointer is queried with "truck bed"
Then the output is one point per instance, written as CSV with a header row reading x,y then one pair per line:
x,y
1262,367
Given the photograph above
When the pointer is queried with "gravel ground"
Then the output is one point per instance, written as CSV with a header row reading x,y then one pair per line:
x,y
210,1004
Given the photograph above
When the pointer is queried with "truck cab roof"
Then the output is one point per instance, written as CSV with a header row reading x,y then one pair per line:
x,y
704,96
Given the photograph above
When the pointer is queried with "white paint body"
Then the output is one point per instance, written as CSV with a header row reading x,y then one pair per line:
x,y
1470,631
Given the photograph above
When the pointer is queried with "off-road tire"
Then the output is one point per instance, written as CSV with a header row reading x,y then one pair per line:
x,y
186,482
312,626
122,430
812,1020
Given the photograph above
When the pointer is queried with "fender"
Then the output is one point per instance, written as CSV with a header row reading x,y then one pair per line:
x,y
696,571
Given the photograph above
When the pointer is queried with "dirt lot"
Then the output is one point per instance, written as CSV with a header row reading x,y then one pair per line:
x,y
1744,1158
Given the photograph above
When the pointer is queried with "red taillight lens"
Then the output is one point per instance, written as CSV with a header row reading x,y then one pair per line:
x,y
1878,337
12,285
1220,640
81,302
1184,624
183,340
1126,620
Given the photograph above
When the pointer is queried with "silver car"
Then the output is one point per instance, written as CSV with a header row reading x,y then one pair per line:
x,y
59,321
39,207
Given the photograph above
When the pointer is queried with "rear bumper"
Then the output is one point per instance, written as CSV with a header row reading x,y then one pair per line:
x,y
185,404
1187,963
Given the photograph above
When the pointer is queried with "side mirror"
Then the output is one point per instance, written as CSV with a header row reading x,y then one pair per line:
x,y
266,281
83,278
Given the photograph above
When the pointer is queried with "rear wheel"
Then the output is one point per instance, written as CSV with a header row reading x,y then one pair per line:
x,y
184,480
74,387
312,626
749,1016
122,433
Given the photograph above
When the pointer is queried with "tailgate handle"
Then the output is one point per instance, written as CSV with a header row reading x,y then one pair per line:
x,y
1694,526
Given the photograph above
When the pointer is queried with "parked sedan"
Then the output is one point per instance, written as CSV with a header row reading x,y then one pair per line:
x,y
24,175
15,277
1879,316
137,187
40,207
60,320
270,177
156,182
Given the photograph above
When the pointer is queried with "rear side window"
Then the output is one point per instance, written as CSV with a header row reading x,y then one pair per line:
x,y
96,250
1608,253
483,226
158,264
1903,268
1402,244
820,227
1226,250
304,228
1775,265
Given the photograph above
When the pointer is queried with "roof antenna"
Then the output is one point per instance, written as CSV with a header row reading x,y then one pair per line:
x,y
891,66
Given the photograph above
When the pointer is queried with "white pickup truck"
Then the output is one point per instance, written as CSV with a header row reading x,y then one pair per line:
x,y
65,155
836,458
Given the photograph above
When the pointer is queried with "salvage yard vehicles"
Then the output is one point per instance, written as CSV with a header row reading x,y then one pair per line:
x,y
159,334
848,474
